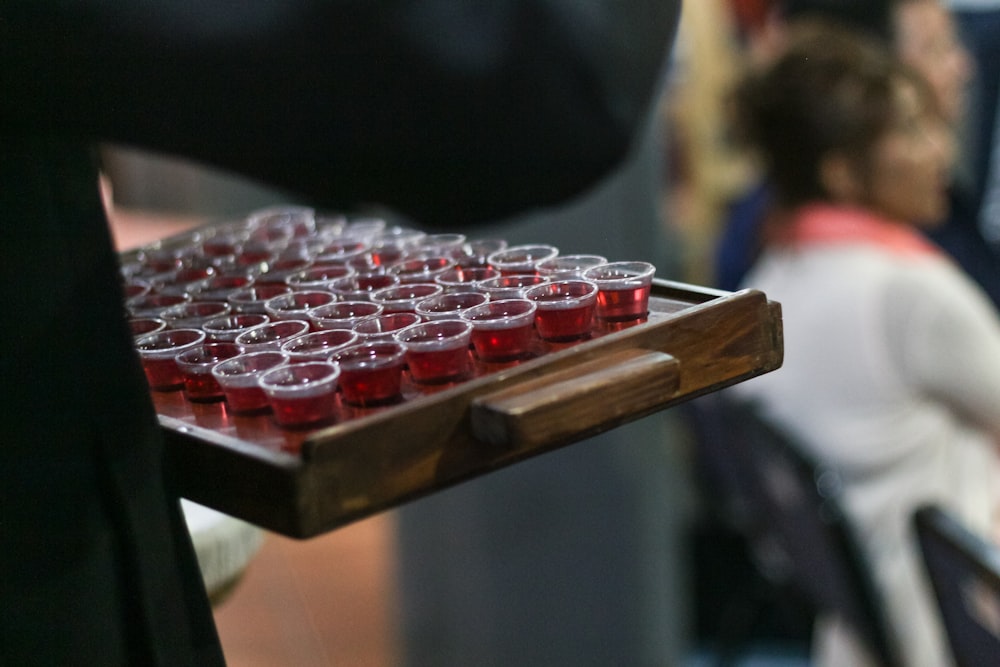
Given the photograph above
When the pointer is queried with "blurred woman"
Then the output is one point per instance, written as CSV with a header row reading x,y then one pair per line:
x,y
892,355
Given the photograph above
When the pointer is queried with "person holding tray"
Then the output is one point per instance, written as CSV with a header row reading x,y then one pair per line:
x,y
892,353
448,113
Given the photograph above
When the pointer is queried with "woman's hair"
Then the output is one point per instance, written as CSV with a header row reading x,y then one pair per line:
x,y
831,91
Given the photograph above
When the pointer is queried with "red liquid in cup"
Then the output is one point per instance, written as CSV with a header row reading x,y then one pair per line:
x,y
302,393
196,364
621,305
162,374
303,410
158,352
372,386
202,388
247,400
439,365
371,374
559,324
503,344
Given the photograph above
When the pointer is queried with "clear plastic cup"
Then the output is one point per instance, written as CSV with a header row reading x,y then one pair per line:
x,y
140,326
302,394
464,278
420,270
360,286
224,246
239,376
448,305
252,299
342,250
318,345
477,251
153,304
225,329
565,309
277,271
296,305
194,314
622,290
135,289
444,244
502,330
318,277
566,267
521,259
371,374
219,287
272,336
437,351
158,352
509,287
342,314
376,260
383,327
404,298
196,364
402,238
364,228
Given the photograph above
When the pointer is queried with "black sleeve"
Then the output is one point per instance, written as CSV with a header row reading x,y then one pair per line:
x,y
450,111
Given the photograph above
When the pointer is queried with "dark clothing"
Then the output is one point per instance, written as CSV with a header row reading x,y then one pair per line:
x,y
979,30
740,241
448,112
961,238
97,565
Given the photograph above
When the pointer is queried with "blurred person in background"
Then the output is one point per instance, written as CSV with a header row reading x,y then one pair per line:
x,y
979,26
892,355
923,34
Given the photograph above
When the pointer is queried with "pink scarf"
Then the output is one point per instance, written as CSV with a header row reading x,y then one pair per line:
x,y
826,224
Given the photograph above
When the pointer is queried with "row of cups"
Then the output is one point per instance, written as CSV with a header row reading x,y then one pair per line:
x,y
248,291
295,371
620,289
434,301
366,360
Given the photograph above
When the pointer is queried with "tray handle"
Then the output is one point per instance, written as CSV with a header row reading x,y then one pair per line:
x,y
589,397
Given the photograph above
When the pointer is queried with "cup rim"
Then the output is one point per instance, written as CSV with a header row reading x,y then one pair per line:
x,y
636,273
422,309
323,374
246,377
503,321
358,326
184,361
388,294
211,325
397,352
575,300
522,254
288,346
456,334
301,325
319,312
190,338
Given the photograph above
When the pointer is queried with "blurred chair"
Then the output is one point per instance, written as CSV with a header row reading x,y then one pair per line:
x,y
790,509
964,570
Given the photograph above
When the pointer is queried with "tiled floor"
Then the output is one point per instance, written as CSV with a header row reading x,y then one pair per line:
x,y
313,603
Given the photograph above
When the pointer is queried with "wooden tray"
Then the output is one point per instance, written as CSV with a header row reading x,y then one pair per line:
x,y
302,484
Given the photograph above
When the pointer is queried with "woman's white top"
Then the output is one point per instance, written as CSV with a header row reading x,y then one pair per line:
x,y
892,375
